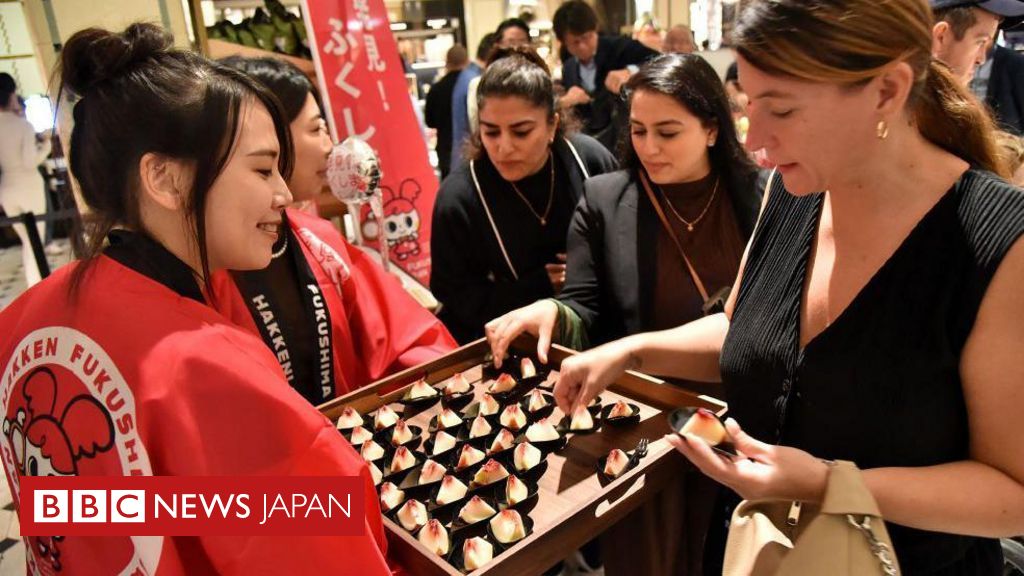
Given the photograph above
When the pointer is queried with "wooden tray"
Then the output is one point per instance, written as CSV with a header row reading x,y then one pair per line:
x,y
573,507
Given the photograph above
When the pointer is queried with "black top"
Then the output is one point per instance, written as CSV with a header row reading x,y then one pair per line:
x,y
1006,89
437,113
275,300
880,386
600,116
612,269
469,275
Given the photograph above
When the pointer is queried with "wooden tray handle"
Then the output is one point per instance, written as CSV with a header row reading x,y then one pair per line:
x,y
609,504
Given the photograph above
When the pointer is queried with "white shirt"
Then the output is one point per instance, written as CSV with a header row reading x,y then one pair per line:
x,y
588,75
20,152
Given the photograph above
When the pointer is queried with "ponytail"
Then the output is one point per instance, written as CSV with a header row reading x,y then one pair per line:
x,y
952,118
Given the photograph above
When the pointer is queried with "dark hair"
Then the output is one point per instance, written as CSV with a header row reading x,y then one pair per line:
x,y
574,16
456,56
518,72
483,49
693,83
849,43
284,79
138,95
510,23
959,18
7,87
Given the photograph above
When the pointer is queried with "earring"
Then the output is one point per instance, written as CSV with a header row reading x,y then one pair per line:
x,y
882,130
711,144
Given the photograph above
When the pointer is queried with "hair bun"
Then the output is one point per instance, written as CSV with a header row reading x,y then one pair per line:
x,y
524,54
94,55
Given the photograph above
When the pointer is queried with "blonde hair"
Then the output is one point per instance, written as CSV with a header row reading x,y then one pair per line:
x,y
852,42
1012,149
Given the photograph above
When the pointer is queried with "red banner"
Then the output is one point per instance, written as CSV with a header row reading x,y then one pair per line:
x,y
192,506
367,96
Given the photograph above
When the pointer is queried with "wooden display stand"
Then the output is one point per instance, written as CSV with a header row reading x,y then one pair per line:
x,y
573,507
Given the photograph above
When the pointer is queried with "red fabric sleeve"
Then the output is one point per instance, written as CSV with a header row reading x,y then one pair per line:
x,y
241,418
389,329
392,331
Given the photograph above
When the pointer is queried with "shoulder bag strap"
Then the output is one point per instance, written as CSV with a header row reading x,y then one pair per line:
x,y
672,235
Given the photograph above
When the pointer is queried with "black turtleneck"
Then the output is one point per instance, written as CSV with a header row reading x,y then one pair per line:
x,y
530,244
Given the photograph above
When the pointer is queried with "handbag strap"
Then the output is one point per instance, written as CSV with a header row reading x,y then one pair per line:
x,y
846,494
880,549
672,235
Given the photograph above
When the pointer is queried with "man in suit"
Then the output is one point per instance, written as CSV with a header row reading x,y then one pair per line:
x,y
599,65
438,110
1004,91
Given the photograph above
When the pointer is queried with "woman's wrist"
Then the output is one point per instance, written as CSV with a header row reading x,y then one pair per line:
x,y
631,348
817,482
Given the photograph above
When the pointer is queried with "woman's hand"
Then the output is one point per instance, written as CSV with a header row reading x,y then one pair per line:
x,y
539,319
615,79
583,376
574,97
762,472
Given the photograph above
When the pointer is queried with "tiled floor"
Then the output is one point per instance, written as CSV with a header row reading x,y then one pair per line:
x,y
12,551
12,284
12,277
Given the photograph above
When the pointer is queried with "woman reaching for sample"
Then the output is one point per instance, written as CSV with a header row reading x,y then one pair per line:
x,y
877,317
500,220
650,245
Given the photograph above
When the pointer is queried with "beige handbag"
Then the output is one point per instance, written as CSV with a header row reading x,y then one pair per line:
x,y
845,536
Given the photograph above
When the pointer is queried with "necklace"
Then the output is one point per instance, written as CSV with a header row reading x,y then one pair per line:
x,y
280,251
690,225
551,196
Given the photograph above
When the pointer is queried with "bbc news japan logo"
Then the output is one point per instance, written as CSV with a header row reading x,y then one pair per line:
x,y
89,506
193,506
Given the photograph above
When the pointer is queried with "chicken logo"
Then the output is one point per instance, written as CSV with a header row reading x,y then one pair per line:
x,y
50,442
68,411
401,220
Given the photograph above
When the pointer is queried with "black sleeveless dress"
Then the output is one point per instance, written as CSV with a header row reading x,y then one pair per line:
x,y
880,386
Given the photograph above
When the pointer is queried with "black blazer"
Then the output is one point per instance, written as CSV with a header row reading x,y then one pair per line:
x,y
613,253
613,53
1006,89
469,274
437,113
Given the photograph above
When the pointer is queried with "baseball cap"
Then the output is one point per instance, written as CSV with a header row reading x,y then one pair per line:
x,y
1004,8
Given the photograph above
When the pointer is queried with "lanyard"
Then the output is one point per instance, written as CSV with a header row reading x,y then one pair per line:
x,y
267,313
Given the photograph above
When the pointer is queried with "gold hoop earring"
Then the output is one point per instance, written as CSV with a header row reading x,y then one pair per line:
x,y
882,130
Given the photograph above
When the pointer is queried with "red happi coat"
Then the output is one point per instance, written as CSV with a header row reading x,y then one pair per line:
x,y
378,329
133,378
